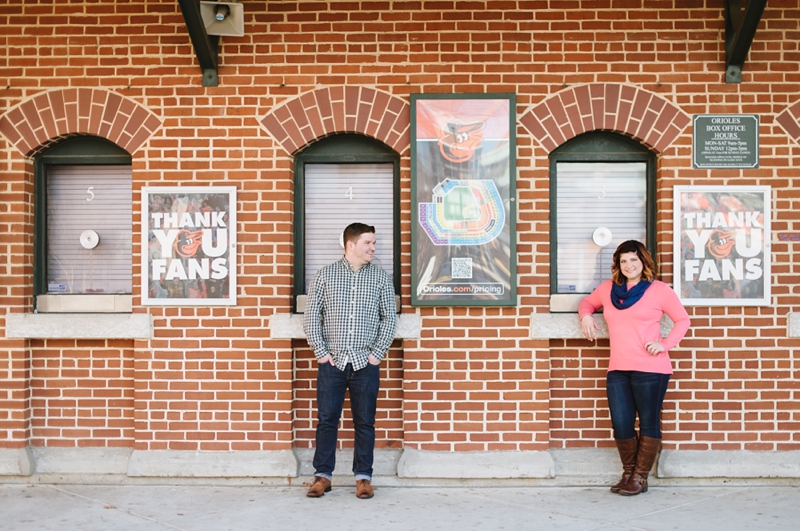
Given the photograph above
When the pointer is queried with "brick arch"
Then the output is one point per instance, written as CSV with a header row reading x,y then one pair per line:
x,y
633,111
47,117
329,110
789,120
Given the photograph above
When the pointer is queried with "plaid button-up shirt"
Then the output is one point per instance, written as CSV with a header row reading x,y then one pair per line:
x,y
350,314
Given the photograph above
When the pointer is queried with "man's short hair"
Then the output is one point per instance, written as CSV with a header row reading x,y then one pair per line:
x,y
354,231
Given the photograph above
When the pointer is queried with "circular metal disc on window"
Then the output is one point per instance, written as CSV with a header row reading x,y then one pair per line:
x,y
89,239
601,236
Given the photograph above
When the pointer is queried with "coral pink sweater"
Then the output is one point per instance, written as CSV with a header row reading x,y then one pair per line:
x,y
631,328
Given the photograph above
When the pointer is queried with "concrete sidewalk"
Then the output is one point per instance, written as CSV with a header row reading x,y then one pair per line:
x,y
86,507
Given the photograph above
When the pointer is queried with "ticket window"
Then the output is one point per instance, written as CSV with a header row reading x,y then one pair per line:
x,y
603,194
89,219
84,224
341,180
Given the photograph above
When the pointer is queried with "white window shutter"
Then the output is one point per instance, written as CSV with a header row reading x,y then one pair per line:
x,y
591,195
81,198
337,195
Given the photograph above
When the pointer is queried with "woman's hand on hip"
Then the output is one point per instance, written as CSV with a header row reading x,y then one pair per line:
x,y
589,327
654,347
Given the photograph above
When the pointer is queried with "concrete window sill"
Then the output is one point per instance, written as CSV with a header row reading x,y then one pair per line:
x,y
290,326
79,326
84,303
568,326
793,324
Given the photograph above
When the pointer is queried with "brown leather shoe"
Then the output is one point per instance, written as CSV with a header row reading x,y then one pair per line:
x,y
320,486
364,489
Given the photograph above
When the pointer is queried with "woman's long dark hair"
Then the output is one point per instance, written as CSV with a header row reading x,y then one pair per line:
x,y
633,246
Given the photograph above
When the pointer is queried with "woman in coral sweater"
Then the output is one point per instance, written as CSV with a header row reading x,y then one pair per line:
x,y
633,303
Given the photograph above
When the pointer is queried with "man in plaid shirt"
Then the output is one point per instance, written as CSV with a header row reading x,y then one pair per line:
x,y
349,322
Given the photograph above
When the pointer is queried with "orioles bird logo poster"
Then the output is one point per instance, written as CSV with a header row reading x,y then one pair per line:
x,y
722,245
463,187
189,254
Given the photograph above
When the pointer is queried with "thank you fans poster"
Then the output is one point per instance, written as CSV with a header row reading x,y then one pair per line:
x,y
189,246
463,200
722,245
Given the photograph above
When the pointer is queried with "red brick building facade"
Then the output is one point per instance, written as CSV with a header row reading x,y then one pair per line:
x,y
228,390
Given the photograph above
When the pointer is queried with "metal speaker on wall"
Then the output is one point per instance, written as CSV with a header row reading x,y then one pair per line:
x,y
223,18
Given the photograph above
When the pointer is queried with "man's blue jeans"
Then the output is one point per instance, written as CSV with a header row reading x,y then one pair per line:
x,y
331,387
632,392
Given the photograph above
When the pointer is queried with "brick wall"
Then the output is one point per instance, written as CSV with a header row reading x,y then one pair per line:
x,y
16,291
473,383
389,415
210,381
214,379
81,393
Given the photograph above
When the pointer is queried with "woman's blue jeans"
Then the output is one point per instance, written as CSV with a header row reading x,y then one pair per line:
x,y
332,384
632,392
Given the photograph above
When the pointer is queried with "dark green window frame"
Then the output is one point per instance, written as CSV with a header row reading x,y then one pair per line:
x,y
72,151
601,146
342,148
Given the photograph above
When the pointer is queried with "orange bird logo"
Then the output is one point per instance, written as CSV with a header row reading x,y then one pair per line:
x,y
187,242
459,142
721,242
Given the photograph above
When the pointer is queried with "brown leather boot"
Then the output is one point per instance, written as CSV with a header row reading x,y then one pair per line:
x,y
646,456
320,486
627,453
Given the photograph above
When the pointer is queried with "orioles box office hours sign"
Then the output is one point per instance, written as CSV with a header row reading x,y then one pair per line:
x,y
722,250
463,210
189,246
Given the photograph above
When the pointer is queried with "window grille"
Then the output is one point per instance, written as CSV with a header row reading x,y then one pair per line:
x,y
592,196
89,198
339,194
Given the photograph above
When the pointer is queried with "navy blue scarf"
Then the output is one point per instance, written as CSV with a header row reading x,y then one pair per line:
x,y
622,297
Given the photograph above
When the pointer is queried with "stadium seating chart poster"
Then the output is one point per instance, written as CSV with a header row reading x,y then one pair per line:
x,y
189,246
463,200
722,245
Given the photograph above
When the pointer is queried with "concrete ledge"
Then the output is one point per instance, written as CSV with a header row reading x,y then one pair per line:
x,y
793,325
173,463
79,326
290,326
586,462
17,462
728,464
568,326
563,326
470,465
81,460
579,466
565,302
385,463
84,303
